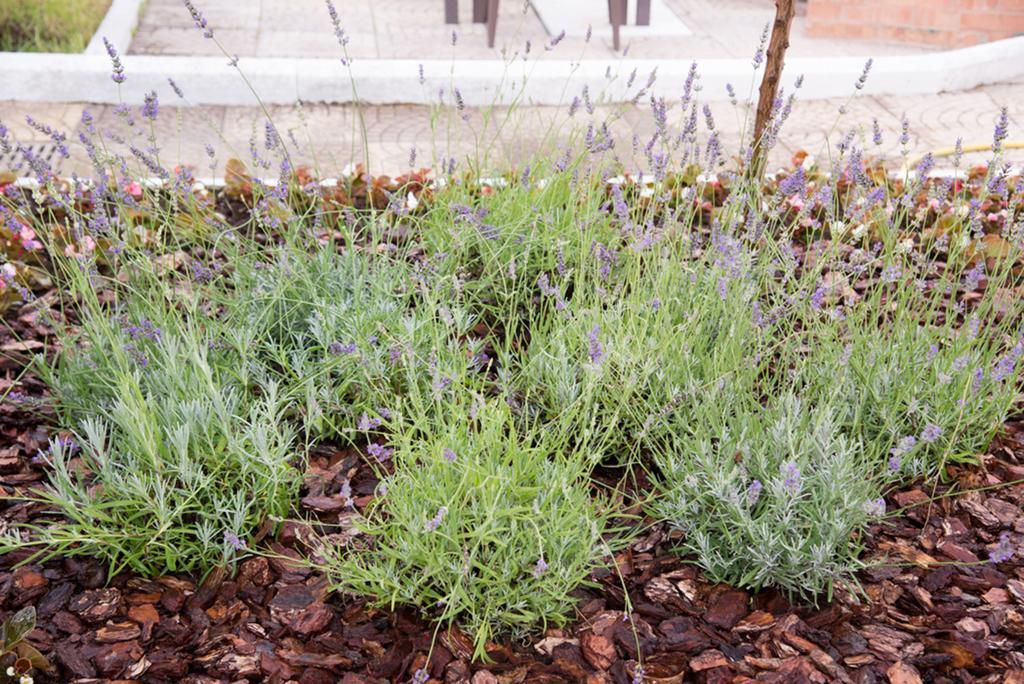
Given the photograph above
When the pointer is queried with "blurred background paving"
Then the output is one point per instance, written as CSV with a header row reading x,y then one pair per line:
x,y
329,137
415,29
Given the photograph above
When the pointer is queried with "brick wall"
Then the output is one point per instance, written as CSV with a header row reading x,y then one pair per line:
x,y
939,23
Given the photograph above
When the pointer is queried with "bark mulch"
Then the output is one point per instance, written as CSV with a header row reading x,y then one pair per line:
x,y
933,609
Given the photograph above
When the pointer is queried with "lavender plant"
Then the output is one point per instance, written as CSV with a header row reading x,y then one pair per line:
x,y
348,333
171,467
482,522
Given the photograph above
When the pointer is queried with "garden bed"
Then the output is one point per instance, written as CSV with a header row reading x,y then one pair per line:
x,y
562,424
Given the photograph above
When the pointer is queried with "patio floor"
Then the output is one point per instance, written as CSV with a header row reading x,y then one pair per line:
x,y
415,29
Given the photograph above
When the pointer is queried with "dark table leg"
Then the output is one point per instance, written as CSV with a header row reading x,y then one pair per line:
x,y
479,11
617,15
492,21
643,12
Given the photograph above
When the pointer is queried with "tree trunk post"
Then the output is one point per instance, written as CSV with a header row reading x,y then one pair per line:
x,y
774,62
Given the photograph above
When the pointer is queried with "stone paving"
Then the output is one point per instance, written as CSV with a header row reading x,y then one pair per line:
x,y
415,29
329,137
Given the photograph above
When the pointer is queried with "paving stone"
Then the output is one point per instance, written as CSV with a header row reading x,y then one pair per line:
x,y
415,29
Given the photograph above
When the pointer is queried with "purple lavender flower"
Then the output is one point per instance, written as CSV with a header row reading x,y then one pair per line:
x,y
366,423
892,274
759,54
337,348
972,279
754,492
440,384
175,88
379,451
818,299
596,348
420,676
199,19
435,522
540,568
959,363
1005,366
757,316
978,377
794,183
792,476
150,106
875,507
449,455
544,283
876,132
901,449
1001,130
859,85
930,433
232,540
1003,551
117,72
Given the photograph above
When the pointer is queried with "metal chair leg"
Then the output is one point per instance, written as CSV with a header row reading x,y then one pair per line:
x,y
617,15
492,21
643,12
451,11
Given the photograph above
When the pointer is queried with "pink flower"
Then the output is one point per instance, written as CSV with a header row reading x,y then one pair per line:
x,y
87,246
28,239
134,189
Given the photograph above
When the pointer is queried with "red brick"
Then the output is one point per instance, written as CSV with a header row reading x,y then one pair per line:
x,y
998,23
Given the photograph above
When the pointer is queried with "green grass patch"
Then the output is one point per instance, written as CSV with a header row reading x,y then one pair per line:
x,y
49,25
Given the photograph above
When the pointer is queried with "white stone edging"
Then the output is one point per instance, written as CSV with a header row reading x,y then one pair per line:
x,y
118,26
212,81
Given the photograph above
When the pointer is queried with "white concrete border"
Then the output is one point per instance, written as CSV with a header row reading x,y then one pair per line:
x,y
212,81
118,26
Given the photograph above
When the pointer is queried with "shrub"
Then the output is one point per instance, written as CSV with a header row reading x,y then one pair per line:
x,y
770,497
481,522
348,335
173,467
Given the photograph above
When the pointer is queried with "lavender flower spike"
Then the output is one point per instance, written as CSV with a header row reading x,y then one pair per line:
x,y
931,433
792,474
596,349
435,522
117,73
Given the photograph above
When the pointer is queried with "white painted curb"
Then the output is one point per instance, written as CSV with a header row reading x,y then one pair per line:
x,y
118,26
212,81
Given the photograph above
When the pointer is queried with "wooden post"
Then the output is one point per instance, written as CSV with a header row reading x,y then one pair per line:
x,y
774,62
